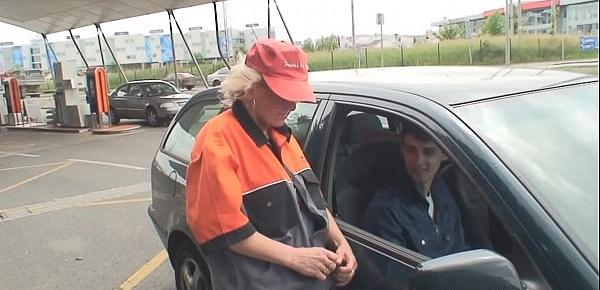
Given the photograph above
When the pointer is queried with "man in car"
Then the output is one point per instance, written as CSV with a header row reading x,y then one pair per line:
x,y
418,210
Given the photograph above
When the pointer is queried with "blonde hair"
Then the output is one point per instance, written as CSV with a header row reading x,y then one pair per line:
x,y
238,82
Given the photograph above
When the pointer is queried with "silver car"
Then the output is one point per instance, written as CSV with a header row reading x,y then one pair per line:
x,y
216,78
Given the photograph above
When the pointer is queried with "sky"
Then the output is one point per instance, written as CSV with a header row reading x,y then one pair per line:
x,y
305,18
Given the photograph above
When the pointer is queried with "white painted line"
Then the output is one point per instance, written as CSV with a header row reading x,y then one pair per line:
x,y
30,166
72,201
108,164
6,154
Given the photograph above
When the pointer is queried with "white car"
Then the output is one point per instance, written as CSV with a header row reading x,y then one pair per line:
x,y
216,78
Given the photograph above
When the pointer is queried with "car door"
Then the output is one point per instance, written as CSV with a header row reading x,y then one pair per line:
x,y
475,172
118,100
137,100
170,164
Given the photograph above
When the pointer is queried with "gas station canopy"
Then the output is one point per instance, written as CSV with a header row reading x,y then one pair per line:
x,y
50,16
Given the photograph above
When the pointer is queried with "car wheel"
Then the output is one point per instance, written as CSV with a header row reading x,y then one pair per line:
x,y
190,270
114,119
152,118
216,83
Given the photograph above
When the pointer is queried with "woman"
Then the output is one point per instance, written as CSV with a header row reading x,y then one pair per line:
x,y
253,202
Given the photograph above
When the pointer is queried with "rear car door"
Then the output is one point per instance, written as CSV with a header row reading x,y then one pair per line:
x,y
169,167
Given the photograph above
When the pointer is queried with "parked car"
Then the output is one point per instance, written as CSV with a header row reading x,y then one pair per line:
x,y
522,147
154,100
216,78
186,80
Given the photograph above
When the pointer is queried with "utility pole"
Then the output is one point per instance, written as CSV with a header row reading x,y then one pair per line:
x,y
519,20
553,8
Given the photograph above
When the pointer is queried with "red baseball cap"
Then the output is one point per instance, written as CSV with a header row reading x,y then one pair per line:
x,y
284,67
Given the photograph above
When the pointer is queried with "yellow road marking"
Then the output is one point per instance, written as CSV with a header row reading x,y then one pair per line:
x,y
35,177
144,271
31,166
115,202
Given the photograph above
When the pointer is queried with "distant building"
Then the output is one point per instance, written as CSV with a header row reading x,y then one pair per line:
x,y
573,16
131,50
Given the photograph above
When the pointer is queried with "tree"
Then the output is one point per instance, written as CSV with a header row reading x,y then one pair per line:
x,y
327,43
199,57
494,25
308,45
452,31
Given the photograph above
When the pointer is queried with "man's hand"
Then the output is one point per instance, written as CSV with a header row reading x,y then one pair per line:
x,y
346,264
313,262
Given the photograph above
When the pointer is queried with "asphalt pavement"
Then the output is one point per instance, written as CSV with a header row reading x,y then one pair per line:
x,y
73,212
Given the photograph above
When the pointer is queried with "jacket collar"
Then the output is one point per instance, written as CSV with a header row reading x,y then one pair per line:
x,y
242,115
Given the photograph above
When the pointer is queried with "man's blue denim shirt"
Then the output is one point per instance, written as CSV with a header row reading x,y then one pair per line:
x,y
400,215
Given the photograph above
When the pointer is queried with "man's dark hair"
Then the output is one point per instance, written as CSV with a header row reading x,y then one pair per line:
x,y
410,128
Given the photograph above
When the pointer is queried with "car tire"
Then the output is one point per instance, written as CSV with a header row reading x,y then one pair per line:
x,y
216,83
191,272
152,118
114,119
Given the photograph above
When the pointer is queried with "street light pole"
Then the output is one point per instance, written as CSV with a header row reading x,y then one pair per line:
x,y
251,26
380,22
507,32
354,35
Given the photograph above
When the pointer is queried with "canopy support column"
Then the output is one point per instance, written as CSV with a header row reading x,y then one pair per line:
x,y
112,53
48,49
282,20
100,45
78,49
217,32
188,48
173,50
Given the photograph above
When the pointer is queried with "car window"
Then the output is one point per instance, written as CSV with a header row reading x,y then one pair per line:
x,y
122,91
555,164
300,120
373,190
181,139
159,90
134,90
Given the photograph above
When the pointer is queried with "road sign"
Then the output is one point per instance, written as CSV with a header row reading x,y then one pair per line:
x,y
588,43
379,18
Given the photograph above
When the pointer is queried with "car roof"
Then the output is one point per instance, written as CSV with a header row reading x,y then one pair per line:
x,y
148,81
447,85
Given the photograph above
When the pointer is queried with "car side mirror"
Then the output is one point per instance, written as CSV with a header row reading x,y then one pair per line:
x,y
476,269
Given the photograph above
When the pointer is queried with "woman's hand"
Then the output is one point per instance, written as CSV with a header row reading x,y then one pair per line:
x,y
313,262
346,264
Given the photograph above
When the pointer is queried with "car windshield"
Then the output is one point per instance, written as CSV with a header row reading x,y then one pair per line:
x,y
550,141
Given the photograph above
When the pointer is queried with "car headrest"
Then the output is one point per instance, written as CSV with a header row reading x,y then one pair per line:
x,y
373,163
359,124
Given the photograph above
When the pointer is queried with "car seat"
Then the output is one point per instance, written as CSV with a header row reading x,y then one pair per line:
x,y
364,171
355,126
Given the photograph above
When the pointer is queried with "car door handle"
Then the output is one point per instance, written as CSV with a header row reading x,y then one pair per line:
x,y
173,178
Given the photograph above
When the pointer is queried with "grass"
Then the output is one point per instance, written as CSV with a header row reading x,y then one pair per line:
x,y
484,51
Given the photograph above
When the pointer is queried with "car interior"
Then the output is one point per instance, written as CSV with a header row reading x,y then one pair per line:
x,y
368,152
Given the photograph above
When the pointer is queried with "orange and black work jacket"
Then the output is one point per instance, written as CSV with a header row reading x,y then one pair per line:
x,y
239,182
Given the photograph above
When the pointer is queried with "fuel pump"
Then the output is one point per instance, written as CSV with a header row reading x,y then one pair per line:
x,y
12,97
97,96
